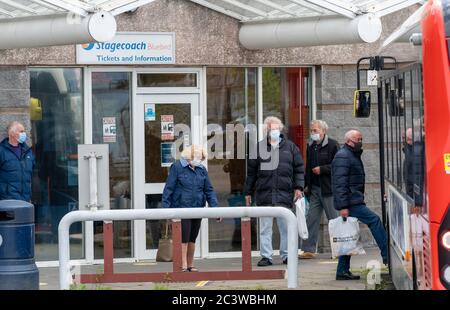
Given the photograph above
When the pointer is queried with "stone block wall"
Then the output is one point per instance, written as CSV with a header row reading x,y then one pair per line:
x,y
14,97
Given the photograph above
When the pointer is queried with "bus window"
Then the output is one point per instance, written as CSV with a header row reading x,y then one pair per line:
x,y
418,136
408,161
385,90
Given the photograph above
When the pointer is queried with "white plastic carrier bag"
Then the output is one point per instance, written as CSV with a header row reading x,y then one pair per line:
x,y
344,237
300,211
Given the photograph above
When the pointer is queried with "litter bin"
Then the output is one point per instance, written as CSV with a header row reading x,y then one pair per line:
x,y
18,270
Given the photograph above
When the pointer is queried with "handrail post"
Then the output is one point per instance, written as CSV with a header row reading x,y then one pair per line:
x,y
176,244
246,244
292,265
64,254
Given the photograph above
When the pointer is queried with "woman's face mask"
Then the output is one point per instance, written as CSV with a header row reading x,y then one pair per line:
x,y
196,162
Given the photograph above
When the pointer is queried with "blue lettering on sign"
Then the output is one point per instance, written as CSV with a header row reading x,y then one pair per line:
x,y
112,47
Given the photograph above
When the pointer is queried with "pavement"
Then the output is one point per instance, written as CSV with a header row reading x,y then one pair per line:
x,y
314,274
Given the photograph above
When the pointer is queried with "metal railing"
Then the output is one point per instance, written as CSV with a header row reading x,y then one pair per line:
x,y
65,277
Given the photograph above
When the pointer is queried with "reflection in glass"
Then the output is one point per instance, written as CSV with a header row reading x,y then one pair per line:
x,y
287,95
56,116
111,125
231,100
155,229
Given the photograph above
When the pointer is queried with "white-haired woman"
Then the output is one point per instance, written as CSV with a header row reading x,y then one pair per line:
x,y
188,186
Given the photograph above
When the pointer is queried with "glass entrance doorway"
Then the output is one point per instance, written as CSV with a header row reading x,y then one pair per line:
x,y
164,124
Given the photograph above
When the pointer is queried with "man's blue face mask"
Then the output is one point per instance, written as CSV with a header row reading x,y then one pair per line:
x,y
275,134
22,137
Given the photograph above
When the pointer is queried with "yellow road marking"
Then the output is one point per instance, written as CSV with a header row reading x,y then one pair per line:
x,y
201,283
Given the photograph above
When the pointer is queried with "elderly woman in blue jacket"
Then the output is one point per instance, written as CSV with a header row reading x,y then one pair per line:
x,y
188,186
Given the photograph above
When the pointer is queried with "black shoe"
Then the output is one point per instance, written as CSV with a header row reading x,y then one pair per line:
x,y
347,276
385,261
264,262
285,261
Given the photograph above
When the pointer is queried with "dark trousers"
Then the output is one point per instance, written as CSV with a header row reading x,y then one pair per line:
x,y
368,217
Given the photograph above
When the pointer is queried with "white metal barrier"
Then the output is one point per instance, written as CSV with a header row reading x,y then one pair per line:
x,y
65,278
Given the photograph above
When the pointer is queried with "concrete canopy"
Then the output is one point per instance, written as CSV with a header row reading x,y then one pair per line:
x,y
295,23
266,23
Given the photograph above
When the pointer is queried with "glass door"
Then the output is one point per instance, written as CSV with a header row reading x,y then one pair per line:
x,y
111,102
164,124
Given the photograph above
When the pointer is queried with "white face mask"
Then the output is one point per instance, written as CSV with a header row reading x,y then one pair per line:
x,y
196,162
315,136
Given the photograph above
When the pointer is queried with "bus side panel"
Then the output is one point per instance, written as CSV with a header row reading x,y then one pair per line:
x,y
436,77
400,239
420,229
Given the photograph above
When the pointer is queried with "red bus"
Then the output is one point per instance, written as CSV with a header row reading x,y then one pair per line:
x,y
415,147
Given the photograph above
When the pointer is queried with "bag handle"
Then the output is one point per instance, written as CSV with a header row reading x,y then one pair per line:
x,y
166,235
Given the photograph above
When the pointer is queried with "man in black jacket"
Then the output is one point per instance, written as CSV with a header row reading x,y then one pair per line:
x,y
319,155
413,167
348,181
276,176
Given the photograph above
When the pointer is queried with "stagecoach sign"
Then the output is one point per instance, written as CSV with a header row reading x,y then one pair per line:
x,y
130,48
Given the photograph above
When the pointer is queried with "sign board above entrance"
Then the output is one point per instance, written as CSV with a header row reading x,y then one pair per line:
x,y
130,48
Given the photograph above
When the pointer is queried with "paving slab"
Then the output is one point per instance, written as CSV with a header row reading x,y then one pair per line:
x,y
314,274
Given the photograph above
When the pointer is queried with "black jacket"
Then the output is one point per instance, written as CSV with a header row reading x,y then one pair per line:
x,y
413,170
347,178
272,180
327,151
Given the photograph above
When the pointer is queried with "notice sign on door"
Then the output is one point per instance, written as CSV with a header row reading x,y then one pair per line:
x,y
167,128
130,48
167,154
149,112
109,129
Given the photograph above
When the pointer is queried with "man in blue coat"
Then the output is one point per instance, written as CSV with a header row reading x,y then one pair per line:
x,y
348,180
16,165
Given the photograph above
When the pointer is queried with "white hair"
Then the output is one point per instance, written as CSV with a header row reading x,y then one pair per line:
x,y
322,124
12,127
189,152
350,133
272,120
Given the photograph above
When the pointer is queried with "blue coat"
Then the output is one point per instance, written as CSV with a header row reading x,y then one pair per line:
x,y
15,173
347,178
188,188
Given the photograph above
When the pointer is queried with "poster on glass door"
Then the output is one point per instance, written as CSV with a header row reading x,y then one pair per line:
x,y
149,113
109,129
167,128
167,154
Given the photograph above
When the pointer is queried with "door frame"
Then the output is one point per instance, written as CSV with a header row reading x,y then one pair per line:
x,y
139,187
